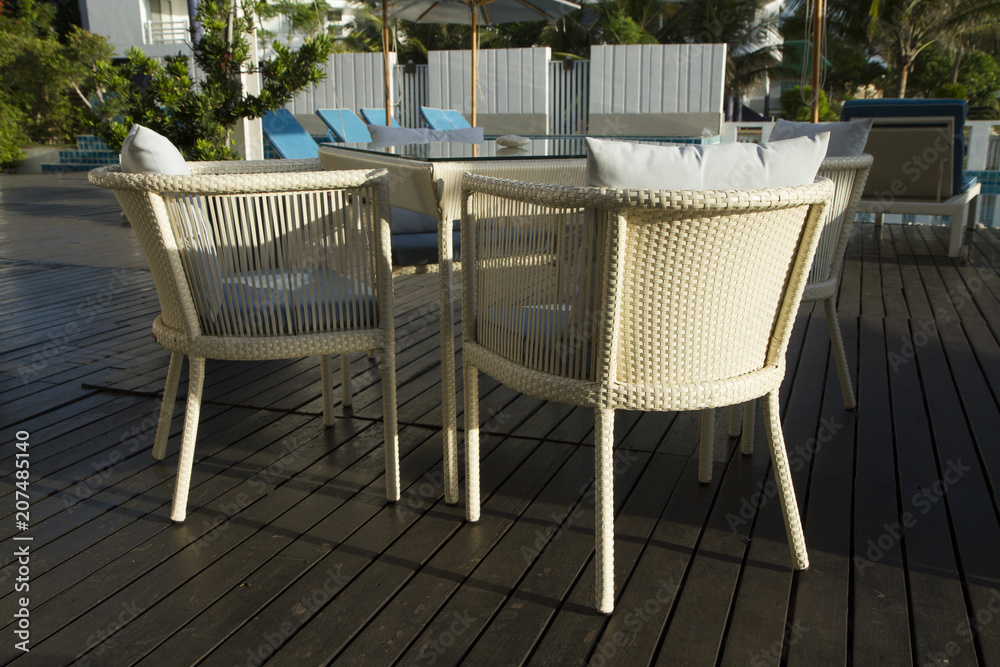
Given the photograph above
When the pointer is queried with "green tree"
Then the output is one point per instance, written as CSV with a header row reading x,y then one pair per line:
x,y
617,27
309,18
795,105
199,118
847,47
48,82
978,74
750,36
902,29
569,36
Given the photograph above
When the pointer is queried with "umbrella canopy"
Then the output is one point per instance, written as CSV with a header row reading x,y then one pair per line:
x,y
476,12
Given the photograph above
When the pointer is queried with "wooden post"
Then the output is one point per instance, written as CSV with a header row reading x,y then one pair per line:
x,y
475,45
385,58
817,59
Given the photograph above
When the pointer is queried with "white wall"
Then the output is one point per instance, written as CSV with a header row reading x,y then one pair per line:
x,y
122,22
353,80
511,81
657,78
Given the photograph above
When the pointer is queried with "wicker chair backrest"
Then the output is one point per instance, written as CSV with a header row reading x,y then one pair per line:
x,y
259,254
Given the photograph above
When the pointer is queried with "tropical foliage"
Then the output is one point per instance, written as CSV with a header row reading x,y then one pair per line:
x,y
198,117
47,84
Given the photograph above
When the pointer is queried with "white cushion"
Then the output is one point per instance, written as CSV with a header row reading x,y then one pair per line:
x,y
847,139
731,166
382,134
147,152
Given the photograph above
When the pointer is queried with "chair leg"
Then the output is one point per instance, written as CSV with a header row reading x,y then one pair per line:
x,y
196,380
449,416
327,381
471,392
389,423
706,447
604,561
958,225
346,393
783,475
749,414
167,405
839,354
735,419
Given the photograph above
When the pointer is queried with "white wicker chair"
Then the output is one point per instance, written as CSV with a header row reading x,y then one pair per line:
x,y
849,175
273,259
614,299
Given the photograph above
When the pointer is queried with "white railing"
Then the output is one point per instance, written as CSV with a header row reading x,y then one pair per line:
x,y
569,103
167,32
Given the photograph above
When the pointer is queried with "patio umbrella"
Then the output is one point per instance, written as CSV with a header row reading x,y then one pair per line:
x,y
474,12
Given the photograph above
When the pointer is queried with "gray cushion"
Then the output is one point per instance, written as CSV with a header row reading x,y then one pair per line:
x,y
404,135
847,139
299,298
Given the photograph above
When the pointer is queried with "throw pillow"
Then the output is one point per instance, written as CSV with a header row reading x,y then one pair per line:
x,y
147,152
731,166
847,139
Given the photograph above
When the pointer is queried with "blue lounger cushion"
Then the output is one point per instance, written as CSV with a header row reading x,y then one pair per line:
x,y
345,125
376,117
289,139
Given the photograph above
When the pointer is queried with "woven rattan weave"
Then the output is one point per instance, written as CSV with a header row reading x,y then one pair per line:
x,y
258,260
639,300
849,175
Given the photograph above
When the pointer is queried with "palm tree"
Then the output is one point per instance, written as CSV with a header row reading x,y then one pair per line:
x,y
751,37
903,28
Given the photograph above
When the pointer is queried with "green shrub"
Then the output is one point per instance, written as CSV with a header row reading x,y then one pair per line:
x,y
12,135
951,91
795,105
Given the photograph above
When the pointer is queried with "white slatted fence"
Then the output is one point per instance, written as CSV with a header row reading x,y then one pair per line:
x,y
569,82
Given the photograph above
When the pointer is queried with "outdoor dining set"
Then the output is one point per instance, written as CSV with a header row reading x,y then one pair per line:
x,y
596,272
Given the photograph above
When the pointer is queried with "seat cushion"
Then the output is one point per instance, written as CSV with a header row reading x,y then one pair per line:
x,y
421,249
290,301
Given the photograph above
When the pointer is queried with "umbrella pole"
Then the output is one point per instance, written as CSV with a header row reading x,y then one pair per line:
x,y
385,58
817,62
475,45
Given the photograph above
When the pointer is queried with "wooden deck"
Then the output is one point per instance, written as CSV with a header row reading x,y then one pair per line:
x,y
291,555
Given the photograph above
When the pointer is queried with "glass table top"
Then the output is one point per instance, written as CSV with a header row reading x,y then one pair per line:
x,y
550,146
